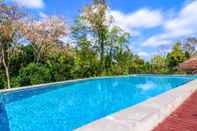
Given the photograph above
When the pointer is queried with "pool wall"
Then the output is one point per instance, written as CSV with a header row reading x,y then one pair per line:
x,y
46,85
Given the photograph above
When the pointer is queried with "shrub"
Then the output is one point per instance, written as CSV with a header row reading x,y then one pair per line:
x,y
2,79
34,74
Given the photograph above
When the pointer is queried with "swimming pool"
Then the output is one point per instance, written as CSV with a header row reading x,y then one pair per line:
x,y
67,106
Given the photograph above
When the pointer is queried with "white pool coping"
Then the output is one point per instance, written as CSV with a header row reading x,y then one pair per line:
x,y
47,85
144,116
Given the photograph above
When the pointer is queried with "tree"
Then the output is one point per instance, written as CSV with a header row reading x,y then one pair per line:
x,y
189,47
86,52
159,64
44,34
117,50
158,60
96,17
61,62
137,65
175,57
9,35
86,59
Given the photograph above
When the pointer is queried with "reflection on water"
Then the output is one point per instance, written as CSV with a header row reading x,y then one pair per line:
x,y
147,86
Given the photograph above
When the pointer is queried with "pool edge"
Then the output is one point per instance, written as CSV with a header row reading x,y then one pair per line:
x,y
55,83
82,79
144,116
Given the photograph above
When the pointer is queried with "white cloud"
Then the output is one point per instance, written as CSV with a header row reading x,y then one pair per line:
x,y
30,3
66,40
143,54
183,25
43,15
157,40
143,18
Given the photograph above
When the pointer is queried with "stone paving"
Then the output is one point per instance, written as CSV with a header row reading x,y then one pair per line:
x,y
183,119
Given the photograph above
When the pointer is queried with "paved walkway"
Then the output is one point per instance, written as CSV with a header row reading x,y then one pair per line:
x,y
183,119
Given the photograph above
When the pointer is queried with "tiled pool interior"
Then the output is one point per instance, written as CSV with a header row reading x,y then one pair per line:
x,y
64,107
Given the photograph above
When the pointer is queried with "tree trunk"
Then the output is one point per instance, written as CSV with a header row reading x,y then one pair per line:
x,y
102,55
37,58
6,69
8,76
101,43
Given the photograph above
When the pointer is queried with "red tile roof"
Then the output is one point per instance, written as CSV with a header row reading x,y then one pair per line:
x,y
190,64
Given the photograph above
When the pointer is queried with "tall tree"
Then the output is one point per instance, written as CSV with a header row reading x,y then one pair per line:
x,y
9,35
96,17
117,44
44,34
86,60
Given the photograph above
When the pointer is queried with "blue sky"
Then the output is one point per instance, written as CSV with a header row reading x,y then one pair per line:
x,y
154,24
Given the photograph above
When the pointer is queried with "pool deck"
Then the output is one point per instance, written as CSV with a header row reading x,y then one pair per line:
x,y
183,119
147,115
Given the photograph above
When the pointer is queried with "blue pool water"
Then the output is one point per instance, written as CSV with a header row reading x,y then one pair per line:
x,y
65,107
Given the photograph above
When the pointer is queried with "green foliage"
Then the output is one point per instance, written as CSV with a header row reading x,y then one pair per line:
x,y
159,64
175,57
96,16
33,74
86,59
137,65
123,60
61,64
99,49
2,79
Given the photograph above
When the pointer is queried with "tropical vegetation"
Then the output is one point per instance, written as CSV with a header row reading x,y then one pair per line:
x,y
32,50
